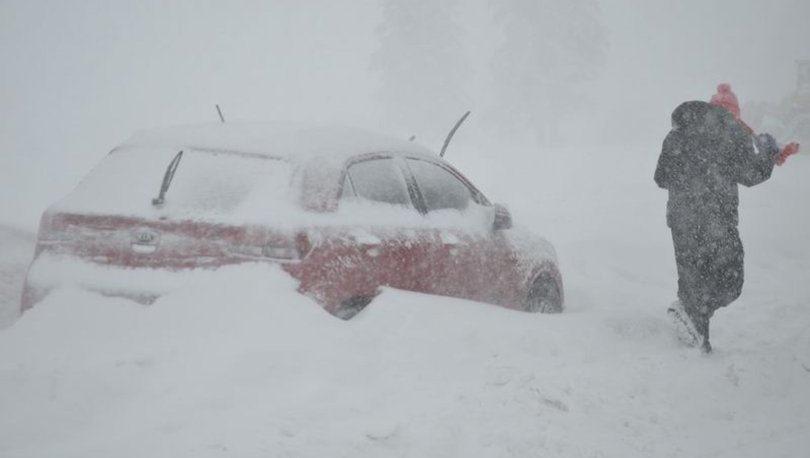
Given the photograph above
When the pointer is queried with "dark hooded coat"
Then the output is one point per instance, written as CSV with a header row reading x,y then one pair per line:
x,y
704,157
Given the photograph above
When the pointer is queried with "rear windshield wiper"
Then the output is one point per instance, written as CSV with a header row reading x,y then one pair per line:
x,y
167,180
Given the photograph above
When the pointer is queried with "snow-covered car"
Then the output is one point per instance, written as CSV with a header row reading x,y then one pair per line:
x,y
343,211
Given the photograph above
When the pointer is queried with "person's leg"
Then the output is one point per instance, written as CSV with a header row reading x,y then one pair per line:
x,y
701,311
701,252
687,260
690,253
727,270
721,274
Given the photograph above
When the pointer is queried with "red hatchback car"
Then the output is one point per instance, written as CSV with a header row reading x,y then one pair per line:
x,y
342,211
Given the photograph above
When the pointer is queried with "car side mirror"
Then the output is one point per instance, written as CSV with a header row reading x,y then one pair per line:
x,y
503,219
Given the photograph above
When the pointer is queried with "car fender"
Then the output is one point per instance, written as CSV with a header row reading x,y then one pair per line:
x,y
535,256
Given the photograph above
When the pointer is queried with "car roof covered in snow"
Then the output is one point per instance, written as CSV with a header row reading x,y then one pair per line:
x,y
318,153
294,141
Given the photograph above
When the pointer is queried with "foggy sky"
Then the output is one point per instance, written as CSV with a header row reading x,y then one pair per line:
x,y
79,77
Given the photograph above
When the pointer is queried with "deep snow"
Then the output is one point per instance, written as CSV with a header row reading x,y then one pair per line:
x,y
241,365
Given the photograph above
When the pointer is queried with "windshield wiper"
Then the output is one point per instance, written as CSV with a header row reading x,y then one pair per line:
x,y
167,179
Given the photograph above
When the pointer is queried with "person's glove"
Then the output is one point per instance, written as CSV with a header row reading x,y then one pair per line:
x,y
766,144
789,150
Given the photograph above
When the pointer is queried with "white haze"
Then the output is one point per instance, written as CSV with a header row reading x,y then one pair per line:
x,y
80,77
240,363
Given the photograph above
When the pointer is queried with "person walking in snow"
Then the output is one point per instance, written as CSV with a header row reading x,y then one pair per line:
x,y
708,152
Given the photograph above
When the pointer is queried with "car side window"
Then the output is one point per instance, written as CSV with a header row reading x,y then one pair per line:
x,y
379,180
439,187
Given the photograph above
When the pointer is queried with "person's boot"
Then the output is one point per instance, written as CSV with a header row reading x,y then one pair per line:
x,y
685,326
702,326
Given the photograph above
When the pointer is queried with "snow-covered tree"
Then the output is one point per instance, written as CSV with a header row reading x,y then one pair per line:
x,y
422,65
549,48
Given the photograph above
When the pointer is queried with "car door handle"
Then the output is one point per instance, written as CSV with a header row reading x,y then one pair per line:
x,y
451,242
372,250
365,239
449,239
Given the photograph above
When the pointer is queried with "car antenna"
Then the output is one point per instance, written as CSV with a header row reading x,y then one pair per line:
x,y
453,132
221,118
167,180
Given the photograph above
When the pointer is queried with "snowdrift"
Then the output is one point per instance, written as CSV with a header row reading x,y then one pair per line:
x,y
247,366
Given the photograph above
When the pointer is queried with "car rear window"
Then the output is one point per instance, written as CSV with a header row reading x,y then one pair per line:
x,y
205,184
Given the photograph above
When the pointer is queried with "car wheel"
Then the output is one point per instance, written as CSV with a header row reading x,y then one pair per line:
x,y
351,307
544,296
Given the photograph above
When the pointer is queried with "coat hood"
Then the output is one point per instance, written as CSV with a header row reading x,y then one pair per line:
x,y
699,116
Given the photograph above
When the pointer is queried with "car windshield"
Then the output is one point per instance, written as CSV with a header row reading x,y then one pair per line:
x,y
206,185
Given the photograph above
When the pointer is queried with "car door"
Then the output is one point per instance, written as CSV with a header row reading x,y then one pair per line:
x,y
461,219
386,227
358,246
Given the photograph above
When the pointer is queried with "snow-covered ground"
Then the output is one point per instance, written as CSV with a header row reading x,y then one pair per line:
x,y
243,366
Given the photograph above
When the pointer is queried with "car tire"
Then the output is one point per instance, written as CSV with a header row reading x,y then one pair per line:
x,y
351,307
544,296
